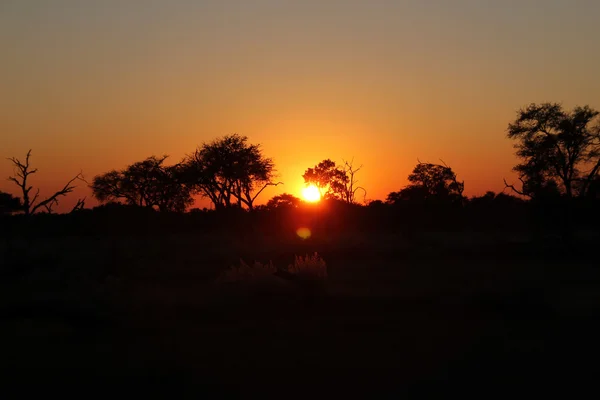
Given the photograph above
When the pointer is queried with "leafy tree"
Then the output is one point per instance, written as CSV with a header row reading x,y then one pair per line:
x,y
334,181
284,200
430,182
30,205
147,183
409,193
559,150
325,176
229,171
9,203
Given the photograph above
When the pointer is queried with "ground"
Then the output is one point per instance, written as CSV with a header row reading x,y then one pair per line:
x,y
443,311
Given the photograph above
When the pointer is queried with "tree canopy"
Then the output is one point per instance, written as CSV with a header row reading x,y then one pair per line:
x,y
333,181
229,171
559,150
430,182
147,183
284,200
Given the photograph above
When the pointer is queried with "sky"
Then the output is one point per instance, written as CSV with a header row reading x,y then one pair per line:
x,y
97,85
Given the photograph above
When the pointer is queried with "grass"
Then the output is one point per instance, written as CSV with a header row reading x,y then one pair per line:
x,y
153,308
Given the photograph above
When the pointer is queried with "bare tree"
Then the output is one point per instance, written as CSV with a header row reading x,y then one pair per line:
x,y
350,188
22,172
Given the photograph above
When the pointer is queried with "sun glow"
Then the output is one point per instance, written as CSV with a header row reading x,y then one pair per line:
x,y
311,194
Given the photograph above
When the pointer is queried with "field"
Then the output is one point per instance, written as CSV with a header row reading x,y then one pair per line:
x,y
395,314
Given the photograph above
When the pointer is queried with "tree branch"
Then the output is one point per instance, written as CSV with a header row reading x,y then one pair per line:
x,y
68,188
264,187
514,189
79,206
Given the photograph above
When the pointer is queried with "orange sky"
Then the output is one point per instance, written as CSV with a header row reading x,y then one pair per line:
x,y
94,85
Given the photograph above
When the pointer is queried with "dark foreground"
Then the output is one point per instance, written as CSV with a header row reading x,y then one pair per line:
x,y
393,317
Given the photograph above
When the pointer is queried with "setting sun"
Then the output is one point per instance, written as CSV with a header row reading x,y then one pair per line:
x,y
311,193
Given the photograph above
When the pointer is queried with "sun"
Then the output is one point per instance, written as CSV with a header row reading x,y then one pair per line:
x,y
311,194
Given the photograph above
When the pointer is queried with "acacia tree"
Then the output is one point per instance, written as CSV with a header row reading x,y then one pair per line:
x,y
147,183
229,171
559,150
430,182
334,181
31,204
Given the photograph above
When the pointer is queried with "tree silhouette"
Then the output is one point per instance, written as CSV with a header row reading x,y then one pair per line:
x,y
410,193
229,171
430,182
323,176
333,181
284,200
9,203
22,173
147,183
560,151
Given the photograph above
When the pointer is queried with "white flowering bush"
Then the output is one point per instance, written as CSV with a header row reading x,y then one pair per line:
x,y
310,267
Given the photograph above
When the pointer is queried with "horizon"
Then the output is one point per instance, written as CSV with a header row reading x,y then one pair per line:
x,y
94,86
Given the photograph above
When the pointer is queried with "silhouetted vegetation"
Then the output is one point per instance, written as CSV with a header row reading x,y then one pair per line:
x,y
229,171
334,182
433,282
560,151
148,183
31,204
9,204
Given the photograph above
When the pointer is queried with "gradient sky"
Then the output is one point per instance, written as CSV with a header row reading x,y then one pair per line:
x,y
95,85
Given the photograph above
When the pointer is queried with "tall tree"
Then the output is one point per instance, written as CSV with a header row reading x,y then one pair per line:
x,y
31,204
229,171
334,181
325,176
147,183
430,182
559,150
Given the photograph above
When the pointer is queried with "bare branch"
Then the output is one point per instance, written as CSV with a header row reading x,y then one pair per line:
x,y
364,191
264,187
514,189
79,206
37,193
49,206
68,188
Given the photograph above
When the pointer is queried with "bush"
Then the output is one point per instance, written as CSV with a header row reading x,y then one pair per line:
x,y
309,268
266,278
245,273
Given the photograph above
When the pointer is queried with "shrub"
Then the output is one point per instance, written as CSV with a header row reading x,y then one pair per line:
x,y
246,273
309,268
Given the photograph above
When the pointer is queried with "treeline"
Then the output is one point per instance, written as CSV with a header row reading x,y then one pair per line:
x,y
558,173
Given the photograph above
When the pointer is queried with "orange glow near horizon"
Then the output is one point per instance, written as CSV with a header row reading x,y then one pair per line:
x,y
311,194
386,83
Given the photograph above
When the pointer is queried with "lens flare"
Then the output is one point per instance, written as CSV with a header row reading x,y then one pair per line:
x,y
303,233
